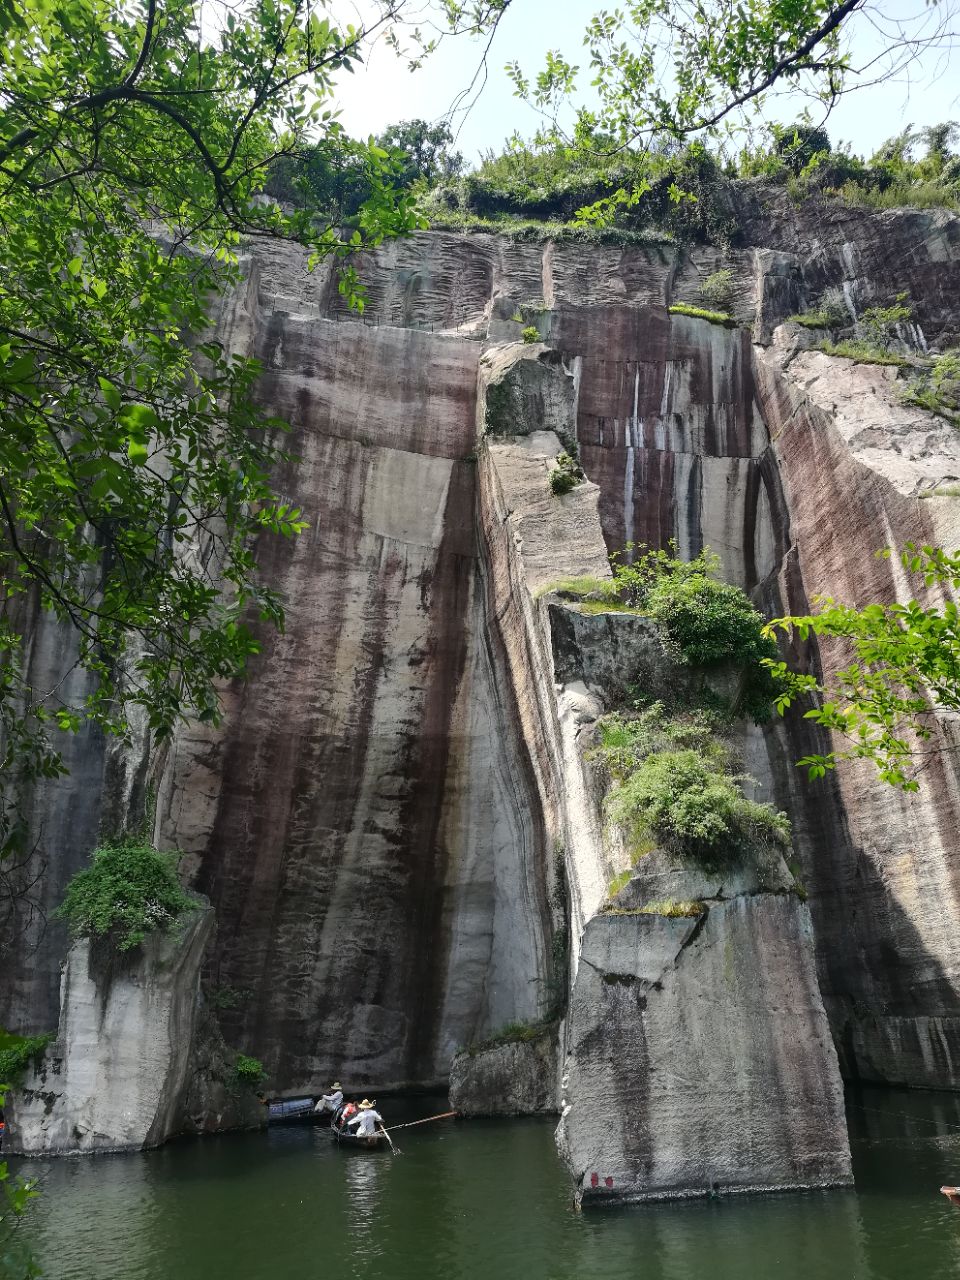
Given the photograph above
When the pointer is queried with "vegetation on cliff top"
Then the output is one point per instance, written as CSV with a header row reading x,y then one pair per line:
x,y
673,777
129,891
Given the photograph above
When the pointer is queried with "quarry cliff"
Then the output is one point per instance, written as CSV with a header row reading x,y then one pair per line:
x,y
397,823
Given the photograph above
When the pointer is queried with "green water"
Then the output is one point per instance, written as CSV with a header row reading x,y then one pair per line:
x,y
490,1200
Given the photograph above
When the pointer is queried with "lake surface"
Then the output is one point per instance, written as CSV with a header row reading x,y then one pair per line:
x,y
489,1200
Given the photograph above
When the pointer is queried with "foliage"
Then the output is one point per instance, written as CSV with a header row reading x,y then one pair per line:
x,y
134,463
941,491
706,622
717,289
701,313
566,475
878,324
905,663
248,1072
16,1194
831,313
574,191
937,389
513,1033
530,333
618,882
17,1053
128,891
674,910
585,587
340,175
424,151
800,144
693,808
863,353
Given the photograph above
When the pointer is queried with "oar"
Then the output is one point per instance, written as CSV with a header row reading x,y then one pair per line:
x,y
444,1115
390,1140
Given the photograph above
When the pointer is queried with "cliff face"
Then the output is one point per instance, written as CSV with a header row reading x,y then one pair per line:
x,y
376,821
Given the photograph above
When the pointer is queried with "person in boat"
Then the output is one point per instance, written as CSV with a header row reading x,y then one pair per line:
x,y
331,1101
364,1123
344,1115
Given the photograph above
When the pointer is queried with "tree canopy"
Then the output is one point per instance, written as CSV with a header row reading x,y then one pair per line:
x,y
134,461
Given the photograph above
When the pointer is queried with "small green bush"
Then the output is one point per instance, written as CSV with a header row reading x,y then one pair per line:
x,y
832,312
248,1072
706,622
128,891
876,323
701,313
717,289
937,389
17,1053
530,334
566,475
693,809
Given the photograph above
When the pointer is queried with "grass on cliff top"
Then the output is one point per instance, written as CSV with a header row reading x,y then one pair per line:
x,y
513,1033
584,587
702,313
673,910
941,491
864,353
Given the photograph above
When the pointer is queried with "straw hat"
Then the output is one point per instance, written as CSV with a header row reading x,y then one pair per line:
x,y
337,1084
367,1105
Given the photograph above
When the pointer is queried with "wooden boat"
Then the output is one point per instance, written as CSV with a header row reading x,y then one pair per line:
x,y
347,1139
952,1194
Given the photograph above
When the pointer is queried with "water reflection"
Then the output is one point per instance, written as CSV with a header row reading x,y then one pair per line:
x,y
490,1201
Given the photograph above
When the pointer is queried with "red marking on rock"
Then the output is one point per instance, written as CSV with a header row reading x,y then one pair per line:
x,y
594,1179
608,1182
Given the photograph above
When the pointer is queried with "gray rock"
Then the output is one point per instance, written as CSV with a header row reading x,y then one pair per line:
x,y
114,1078
699,1057
519,1078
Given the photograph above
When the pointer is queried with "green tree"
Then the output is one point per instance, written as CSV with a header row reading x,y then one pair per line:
x,y
904,669
424,150
134,462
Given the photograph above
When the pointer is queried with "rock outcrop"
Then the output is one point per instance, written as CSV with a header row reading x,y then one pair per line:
x,y
116,1076
699,1056
379,819
517,1078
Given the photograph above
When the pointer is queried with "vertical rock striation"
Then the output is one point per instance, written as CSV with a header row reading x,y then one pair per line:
x,y
379,818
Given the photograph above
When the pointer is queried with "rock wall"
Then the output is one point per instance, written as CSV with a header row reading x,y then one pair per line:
x,y
378,818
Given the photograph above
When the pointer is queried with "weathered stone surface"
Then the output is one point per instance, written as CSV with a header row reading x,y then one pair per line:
x,y
520,1078
114,1078
699,1057
377,817
212,1099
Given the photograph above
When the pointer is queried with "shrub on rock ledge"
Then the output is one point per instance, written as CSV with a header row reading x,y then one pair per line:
x,y
128,891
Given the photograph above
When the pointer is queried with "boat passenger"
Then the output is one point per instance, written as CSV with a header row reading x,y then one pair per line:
x,y
365,1123
333,1100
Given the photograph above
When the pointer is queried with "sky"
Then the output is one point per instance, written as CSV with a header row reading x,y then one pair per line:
x,y
385,91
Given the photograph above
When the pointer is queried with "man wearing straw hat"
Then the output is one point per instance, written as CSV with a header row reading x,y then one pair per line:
x,y
332,1100
367,1119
